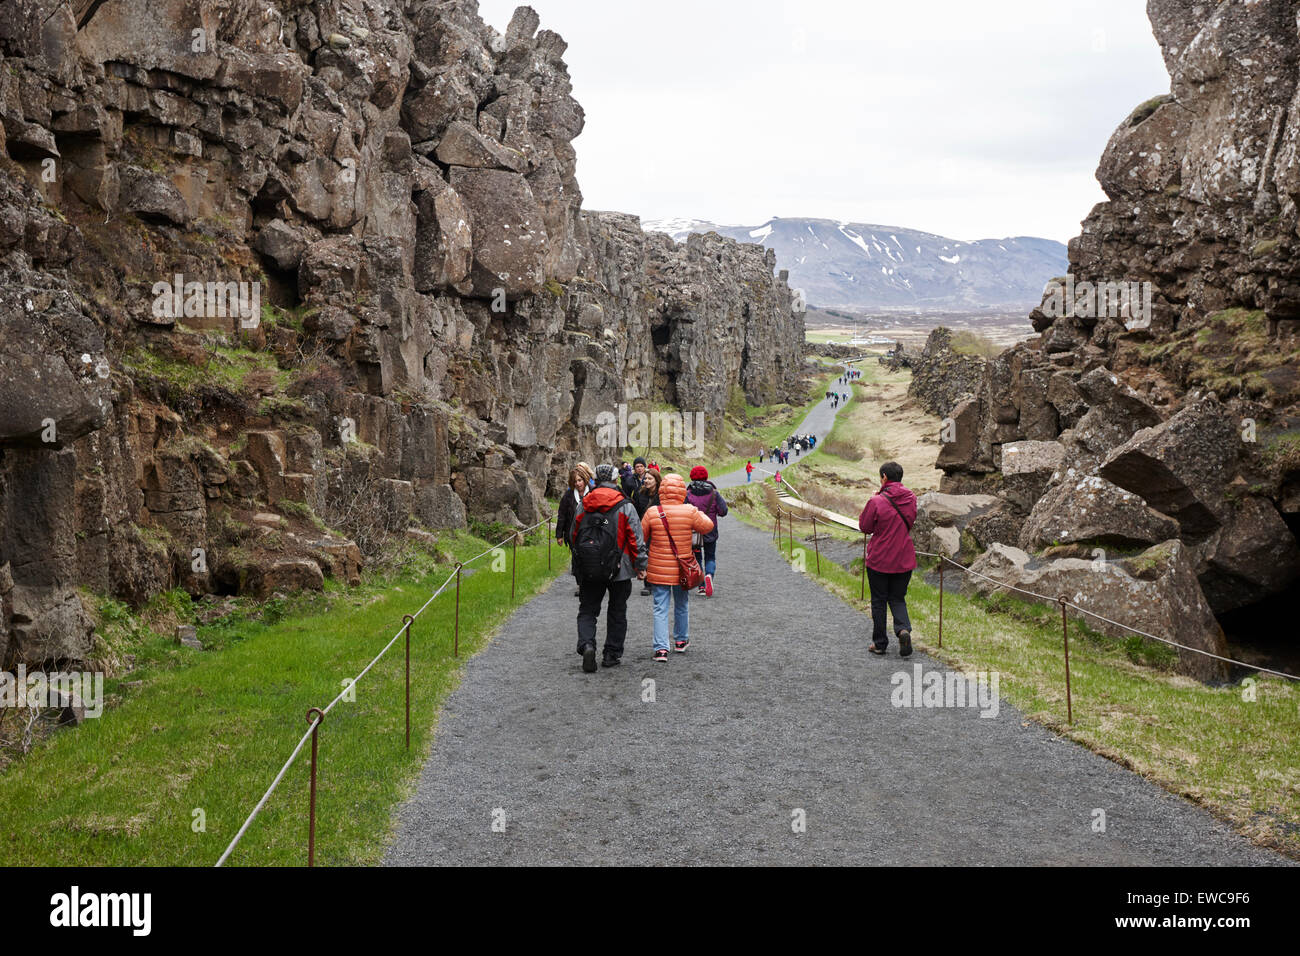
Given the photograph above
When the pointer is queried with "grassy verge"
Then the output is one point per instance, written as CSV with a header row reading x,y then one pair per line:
x,y
1238,757
208,730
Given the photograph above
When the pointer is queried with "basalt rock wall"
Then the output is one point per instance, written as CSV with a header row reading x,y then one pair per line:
x,y
280,278
1191,406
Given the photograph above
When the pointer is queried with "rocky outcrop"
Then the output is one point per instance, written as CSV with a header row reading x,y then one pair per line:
x,y
1155,591
323,261
942,377
1179,402
961,526
1093,511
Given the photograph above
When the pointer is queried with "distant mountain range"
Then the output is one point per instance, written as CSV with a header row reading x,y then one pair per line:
x,y
861,266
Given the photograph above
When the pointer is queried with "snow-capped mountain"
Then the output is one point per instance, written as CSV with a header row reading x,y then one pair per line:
x,y
858,265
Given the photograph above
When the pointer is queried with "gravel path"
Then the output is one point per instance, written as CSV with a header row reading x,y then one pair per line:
x,y
776,708
818,421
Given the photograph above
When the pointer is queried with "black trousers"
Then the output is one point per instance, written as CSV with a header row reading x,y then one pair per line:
x,y
888,590
590,596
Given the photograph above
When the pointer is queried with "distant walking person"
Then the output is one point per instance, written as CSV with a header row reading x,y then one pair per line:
x,y
668,528
749,471
891,557
608,551
704,495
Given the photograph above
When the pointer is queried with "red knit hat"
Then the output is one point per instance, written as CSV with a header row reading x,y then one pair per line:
x,y
699,473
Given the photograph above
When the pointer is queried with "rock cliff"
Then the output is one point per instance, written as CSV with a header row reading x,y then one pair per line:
x,y
1191,406
280,278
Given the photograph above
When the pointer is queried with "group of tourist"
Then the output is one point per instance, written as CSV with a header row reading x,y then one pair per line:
x,y
637,522
780,454
616,537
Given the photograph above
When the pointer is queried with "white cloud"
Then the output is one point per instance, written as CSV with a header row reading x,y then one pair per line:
x,y
965,119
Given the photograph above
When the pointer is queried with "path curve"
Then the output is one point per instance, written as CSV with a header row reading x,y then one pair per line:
x,y
819,421
776,708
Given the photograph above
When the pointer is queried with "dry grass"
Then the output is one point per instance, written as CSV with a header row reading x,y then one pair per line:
x,y
888,425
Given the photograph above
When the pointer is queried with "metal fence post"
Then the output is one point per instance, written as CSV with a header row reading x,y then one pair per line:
x,y
817,548
549,536
408,621
456,648
311,804
863,595
514,561
941,561
1065,635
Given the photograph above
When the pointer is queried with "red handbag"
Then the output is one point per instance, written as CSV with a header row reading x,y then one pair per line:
x,y
691,575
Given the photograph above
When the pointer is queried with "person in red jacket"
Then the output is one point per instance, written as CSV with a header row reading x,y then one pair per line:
x,y
749,471
891,557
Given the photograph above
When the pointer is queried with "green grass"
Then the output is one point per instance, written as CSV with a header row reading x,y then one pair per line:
x,y
226,367
210,729
1239,759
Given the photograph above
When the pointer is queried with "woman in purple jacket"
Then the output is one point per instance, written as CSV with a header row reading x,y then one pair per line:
x,y
891,557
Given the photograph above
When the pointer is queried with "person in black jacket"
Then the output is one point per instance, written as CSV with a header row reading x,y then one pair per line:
x,y
632,479
645,498
579,479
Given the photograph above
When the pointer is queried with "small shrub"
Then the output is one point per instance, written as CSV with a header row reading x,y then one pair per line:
x,y
843,448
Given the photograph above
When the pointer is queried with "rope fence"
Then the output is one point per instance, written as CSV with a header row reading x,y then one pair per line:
x,y
316,715
1064,603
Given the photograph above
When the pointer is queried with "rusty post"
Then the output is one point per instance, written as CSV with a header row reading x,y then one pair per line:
x,y
408,621
941,561
1065,635
863,595
311,805
514,561
456,648
817,548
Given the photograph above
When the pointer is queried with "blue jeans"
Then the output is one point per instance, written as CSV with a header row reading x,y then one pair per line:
x,y
680,598
708,556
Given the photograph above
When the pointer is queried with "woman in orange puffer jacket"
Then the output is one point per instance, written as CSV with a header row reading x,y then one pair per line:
x,y
663,573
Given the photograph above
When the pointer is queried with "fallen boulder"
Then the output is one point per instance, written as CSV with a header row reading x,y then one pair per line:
x,y
1093,510
1155,592
1182,466
941,519
1252,557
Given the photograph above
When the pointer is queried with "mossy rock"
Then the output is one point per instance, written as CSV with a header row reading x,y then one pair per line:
x,y
1144,111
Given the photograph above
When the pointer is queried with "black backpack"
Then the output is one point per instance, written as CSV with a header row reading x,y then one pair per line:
x,y
596,554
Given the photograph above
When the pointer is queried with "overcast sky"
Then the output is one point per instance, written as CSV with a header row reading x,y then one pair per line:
x,y
968,119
